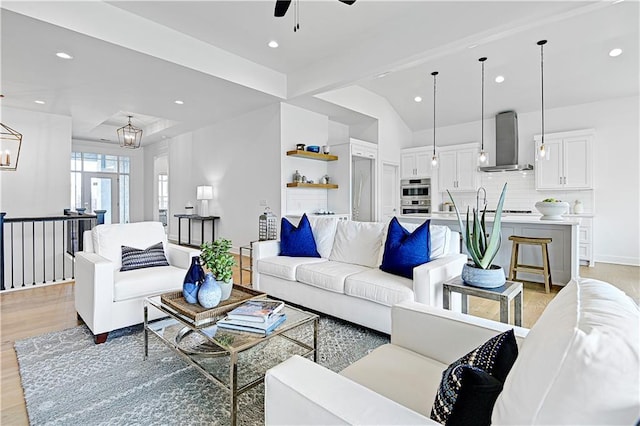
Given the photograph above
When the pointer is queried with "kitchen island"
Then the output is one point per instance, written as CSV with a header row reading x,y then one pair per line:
x,y
563,250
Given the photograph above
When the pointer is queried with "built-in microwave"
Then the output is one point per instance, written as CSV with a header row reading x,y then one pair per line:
x,y
415,187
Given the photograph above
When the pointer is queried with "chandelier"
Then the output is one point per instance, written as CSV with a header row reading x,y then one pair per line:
x,y
10,144
129,136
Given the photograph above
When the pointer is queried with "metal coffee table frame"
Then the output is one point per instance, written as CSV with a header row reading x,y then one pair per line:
x,y
214,347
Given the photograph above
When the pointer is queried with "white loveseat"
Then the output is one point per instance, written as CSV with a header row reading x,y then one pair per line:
x,y
579,364
107,299
346,281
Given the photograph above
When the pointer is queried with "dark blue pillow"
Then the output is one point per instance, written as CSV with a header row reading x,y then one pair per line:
x,y
297,242
405,250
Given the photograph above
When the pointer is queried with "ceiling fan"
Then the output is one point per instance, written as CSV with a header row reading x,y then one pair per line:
x,y
283,5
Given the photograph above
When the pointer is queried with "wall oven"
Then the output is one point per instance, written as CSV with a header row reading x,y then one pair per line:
x,y
416,196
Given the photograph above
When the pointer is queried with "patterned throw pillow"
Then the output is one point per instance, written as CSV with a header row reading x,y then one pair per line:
x,y
133,258
297,241
466,394
405,250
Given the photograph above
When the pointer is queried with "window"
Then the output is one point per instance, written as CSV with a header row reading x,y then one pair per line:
x,y
101,181
163,197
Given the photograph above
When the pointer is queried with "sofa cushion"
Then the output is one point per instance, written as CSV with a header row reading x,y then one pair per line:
x,y
404,250
400,374
152,256
579,363
379,286
359,243
495,357
324,232
109,239
297,241
440,237
284,267
146,282
327,275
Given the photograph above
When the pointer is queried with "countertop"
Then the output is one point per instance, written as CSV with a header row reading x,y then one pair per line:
x,y
506,218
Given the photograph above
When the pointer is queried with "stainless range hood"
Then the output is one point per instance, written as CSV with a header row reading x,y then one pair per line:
x,y
507,145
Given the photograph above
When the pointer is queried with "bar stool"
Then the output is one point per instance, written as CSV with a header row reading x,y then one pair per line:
x,y
544,270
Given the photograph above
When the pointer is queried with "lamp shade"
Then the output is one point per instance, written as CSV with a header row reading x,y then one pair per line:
x,y
205,193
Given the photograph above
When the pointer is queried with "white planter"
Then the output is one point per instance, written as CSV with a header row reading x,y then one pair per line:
x,y
552,210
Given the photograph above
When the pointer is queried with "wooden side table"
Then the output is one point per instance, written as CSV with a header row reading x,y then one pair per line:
x,y
511,290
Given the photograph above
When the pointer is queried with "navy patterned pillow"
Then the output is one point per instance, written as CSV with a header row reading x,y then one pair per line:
x,y
133,258
470,385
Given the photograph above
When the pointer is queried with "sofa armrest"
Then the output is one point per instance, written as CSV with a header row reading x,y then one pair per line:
x,y
428,279
440,334
93,290
180,256
263,249
301,392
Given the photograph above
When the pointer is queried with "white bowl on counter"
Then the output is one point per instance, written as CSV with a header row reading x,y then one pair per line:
x,y
552,210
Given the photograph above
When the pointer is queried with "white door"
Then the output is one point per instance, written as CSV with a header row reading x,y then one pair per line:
x,y
390,191
100,192
549,171
577,162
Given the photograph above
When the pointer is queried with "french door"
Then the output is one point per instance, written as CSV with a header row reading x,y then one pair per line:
x,y
100,192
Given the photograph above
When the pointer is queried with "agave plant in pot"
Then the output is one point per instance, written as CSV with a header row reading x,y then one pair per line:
x,y
218,261
481,246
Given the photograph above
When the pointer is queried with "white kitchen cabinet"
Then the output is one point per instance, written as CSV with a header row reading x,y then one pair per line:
x,y
458,168
585,241
570,161
363,149
415,162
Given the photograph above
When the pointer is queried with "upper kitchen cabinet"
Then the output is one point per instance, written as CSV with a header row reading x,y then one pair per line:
x,y
569,163
458,168
415,162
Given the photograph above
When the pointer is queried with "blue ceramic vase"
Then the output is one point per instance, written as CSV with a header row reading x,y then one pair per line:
x,y
193,280
210,293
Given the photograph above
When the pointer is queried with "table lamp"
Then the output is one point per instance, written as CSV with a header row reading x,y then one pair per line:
x,y
204,194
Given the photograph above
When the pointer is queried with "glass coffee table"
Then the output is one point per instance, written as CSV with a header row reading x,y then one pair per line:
x,y
234,360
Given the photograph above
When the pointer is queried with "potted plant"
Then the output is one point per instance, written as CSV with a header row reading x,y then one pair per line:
x,y
219,261
481,246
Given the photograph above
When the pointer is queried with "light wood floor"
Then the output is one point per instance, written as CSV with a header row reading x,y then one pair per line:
x,y
42,310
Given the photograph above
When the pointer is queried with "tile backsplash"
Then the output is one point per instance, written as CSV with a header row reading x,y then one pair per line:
x,y
521,193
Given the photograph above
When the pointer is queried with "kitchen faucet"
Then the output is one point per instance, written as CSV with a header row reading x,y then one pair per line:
x,y
484,201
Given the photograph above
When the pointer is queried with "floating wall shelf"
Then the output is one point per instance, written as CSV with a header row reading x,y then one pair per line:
x,y
312,185
313,155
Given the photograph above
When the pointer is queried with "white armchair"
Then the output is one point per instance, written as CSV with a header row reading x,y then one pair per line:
x,y
107,299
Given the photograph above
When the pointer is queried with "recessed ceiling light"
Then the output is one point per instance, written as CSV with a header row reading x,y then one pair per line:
x,y
499,79
179,102
616,1
64,55
273,44
39,102
384,74
472,46
615,52
417,99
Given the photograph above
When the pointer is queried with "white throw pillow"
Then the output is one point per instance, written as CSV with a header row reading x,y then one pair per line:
x,y
359,243
579,364
324,232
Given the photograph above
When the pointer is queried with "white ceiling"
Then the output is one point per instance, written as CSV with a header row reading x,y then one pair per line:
x,y
138,57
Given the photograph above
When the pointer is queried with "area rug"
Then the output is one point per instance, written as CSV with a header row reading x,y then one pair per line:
x,y
69,380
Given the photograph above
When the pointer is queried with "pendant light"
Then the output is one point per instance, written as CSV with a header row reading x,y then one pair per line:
x,y
542,153
434,158
483,158
10,144
129,135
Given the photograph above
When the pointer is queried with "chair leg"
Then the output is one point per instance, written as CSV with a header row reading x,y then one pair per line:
x,y
514,261
546,268
100,338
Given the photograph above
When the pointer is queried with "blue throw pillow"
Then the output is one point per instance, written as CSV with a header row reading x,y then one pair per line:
x,y
405,250
297,241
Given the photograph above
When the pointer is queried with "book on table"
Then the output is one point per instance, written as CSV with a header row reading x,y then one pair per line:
x,y
263,328
256,310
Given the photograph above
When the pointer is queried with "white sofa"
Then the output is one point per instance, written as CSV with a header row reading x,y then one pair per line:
x,y
346,281
107,299
579,364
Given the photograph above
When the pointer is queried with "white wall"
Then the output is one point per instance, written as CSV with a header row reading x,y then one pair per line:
x,y
240,158
136,175
615,200
41,184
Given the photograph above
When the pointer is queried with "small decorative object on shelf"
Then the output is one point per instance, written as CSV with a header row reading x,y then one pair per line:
x,y
326,149
481,246
188,208
297,177
192,281
577,207
313,148
267,225
210,292
219,261
300,147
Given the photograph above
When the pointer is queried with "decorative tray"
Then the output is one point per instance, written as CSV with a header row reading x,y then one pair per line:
x,y
202,316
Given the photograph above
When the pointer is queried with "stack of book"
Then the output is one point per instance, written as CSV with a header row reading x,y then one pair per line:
x,y
255,316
